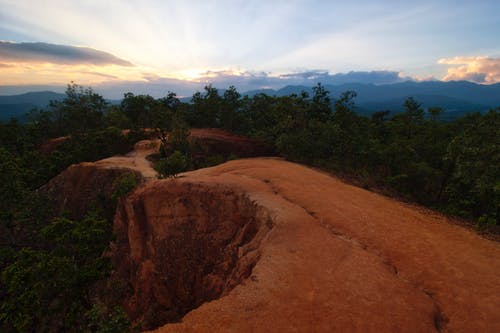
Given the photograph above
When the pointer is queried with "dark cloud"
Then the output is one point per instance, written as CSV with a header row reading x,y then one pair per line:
x,y
257,80
58,54
107,76
474,77
156,86
309,75
366,77
5,65
243,81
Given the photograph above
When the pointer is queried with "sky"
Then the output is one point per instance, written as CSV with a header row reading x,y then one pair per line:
x,y
252,44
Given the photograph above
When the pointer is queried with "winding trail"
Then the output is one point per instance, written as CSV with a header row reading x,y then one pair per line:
x,y
343,259
135,160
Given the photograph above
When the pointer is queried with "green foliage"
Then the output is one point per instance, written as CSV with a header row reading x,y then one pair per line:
x,y
232,157
177,139
413,117
143,111
80,111
49,268
206,108
474,186
48,289
213,160
139,109
229,110
123,185
101,319
172,165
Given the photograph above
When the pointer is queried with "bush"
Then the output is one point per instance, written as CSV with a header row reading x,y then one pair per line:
x,y
172,165
123,185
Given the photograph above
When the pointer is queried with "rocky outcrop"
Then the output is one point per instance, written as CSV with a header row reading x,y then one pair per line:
x,y
181,244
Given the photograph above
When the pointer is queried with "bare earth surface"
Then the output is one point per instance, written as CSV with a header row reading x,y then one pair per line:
x,y
135,160
342,259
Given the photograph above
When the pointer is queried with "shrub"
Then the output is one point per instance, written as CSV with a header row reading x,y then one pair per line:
x,y
172,165
123,185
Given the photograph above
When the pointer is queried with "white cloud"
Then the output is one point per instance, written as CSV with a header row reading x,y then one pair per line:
x,y
475,69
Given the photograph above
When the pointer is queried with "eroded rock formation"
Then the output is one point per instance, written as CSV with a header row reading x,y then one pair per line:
x,y
181,244
82,186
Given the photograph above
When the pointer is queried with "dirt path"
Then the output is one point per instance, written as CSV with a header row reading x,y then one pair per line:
x,y
343,259
135,160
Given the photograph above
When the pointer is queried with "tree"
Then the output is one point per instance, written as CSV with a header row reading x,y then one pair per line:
x,y
320,107
413,117
351,137
473,189
176,139
172,165
139,109
166,110
229,109
81,110
206,107
50,289
434,113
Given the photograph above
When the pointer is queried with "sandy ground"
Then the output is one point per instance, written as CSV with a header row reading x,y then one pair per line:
x,y
135,160
343,259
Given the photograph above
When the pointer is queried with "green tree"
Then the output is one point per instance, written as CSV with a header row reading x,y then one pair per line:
x,y
206,107
49,289
172,165
139,109
435,112
320,107
123,185
81,110
230,106
474,188
413,116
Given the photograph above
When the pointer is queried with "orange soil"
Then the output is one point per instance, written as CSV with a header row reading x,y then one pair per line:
x,y
135,160
343,259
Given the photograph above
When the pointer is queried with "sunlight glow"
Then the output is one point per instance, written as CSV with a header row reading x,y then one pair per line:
x,y
197,40
48,73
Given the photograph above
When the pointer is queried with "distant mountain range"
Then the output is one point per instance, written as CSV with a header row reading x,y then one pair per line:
x,y
455,97
17,106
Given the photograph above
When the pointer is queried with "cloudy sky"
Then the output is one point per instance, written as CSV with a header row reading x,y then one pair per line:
x,y
252,44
